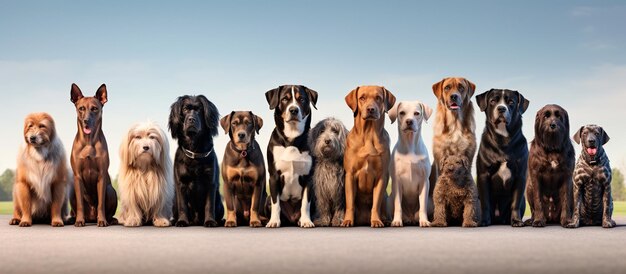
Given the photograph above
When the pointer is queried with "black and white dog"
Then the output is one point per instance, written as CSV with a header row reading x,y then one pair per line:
x,y
288,159
502,158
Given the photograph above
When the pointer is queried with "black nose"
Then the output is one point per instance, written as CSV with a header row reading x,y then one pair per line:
x,y
32,139
409,122
454,97
502,109
241,135
294,110
552,126
592,142
85,121
371,110
146,148
327,141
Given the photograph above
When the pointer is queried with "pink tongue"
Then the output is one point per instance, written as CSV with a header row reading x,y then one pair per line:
x,y
87,131
592,151
454,107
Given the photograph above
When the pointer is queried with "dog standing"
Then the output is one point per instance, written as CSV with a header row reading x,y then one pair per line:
x,y
327,141
502,161
39,193
410,166
456,195
550,168
593,203
92,196
288,159
367,156
193,122
146,183
243,170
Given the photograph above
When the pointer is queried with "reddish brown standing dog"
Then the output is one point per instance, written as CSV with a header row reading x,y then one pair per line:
x,y
92,197
366,160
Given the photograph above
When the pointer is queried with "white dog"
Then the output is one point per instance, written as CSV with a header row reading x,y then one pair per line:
x,y
410,166
146,183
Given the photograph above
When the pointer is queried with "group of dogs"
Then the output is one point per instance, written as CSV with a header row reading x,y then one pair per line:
x,y
323,175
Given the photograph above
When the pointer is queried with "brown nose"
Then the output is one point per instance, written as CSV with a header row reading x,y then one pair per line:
x,y
371,110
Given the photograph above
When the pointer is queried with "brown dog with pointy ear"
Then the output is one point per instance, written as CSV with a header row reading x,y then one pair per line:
x,y
367,156
243,170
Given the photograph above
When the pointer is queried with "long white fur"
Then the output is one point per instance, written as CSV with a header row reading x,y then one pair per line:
x,y
146,182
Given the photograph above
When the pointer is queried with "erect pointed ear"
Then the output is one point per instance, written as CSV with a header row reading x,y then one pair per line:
x,y
438,88
481,100
225,122
312,95
605,136
75,93
101,94
353,101
523,103
272,97
471,87
258,122
393,112
390,99
426,111
576,136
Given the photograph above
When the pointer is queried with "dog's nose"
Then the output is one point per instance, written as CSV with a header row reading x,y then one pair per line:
x,y
32,139
327,141
502,109
371,110
553,126
409,122
146,148
454,97
592,142
85,121
191,119
294,110
241,135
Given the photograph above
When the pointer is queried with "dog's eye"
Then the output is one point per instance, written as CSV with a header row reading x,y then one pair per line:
x,y
511,102
285,99
402,113
461,88
446,88
416,113
362,99
546,114
152,137
81,108
335,131
301,100
378,98
42,126
137,137
557,114
94,109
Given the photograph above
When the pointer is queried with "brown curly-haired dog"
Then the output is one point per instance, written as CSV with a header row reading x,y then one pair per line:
x,y
456,194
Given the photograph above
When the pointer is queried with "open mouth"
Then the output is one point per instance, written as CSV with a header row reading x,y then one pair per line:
x,y
454,106
592,151
86,129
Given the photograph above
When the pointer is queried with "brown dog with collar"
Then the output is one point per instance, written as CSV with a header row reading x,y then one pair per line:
x,y
243,170
367,156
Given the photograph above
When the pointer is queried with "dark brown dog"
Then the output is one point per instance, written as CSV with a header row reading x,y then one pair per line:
x,y
92,197
456,194
366,160
550,167
243,170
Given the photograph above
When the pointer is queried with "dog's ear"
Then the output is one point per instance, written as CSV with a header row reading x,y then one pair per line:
x,y
126,153
576,136
390,99
393,112
312,95
438,88
272,97
175,122
225,122
101,94
605,136
481,100
471,88
258,123
522,103
353,101
75,93
426,111
211,115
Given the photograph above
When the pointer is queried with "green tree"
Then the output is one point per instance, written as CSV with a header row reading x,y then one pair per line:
x,y
6,185
617,185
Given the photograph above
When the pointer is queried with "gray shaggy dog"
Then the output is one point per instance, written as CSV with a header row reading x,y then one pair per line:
x,y
327,141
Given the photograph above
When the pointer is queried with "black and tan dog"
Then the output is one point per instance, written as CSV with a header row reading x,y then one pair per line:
x,y
92,196
550,168
502,161
593,203
243,170
288,156
456,196
193,122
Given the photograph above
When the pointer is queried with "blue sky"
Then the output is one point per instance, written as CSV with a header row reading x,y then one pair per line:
x,y
148,53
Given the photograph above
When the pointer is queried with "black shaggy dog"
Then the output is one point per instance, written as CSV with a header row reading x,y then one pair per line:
x,y
502,161
194,122
550,167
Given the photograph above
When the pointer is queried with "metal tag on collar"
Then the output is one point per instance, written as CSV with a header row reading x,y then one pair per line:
x,y
244,154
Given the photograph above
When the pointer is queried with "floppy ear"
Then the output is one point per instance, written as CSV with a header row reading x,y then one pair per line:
x,y
437,88
605,136
390,99
272,97
471,86
101,94
176,121
225,122
312,95
393,112
352,101
211,115
126,156
481,100
75,93
426,111
258,122
576,136
523,103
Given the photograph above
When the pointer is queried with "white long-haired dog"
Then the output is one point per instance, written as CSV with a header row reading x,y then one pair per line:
x,y
146,183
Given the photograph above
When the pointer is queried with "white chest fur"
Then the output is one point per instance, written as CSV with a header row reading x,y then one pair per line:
x,y
504,172
292,164
411,169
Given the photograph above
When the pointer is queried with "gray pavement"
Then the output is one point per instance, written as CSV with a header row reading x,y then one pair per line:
x,y
495,249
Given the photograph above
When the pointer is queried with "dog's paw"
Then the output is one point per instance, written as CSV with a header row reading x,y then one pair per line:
x,y
539,223
57,223
273,224
438,224
572,225
103,223
347,223
230,223
470,224
376,224
306,223
485,223
132,222
424,223
182,223
79,223
255,223
321,223
397,223
210,223
528,222
14,221
161,222
608,223
516,223
26,223
114,221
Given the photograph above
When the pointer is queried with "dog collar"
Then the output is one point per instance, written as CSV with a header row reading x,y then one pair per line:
x,y
242,153
195,155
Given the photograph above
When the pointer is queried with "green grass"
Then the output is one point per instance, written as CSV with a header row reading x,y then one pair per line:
x,y
6,208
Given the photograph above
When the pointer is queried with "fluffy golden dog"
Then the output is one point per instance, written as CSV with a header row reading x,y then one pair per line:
x,y
145,180
39,193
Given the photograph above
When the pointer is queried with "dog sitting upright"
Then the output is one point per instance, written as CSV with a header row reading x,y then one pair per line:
x,y
288,160
502,161
410,166
243,170
367,156
456,195
92,196
593,203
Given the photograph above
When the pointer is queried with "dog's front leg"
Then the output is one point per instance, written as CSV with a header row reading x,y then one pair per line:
x,y
423,199
24,199
255,221
516,204
275,199
538,217
607,202
305,209
566,203
578,196
396,193
209,209
471,212
348,220
80,202
131,215
379,188
440,218
101,186
182,196
58,198
229,198
485,198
